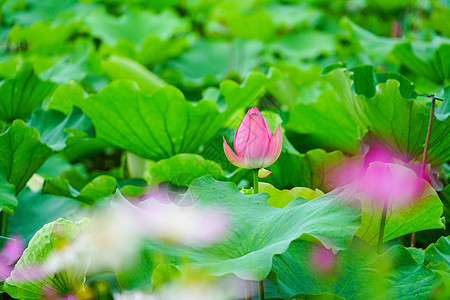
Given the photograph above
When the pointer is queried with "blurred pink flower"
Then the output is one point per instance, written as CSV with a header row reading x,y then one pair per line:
x,y
10,254
388,182
254,143
322,260
355,168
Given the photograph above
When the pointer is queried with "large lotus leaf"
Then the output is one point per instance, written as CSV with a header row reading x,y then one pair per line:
x,y
164,124
21,153
8,200
52,236
355,273
422,212
398,122
134,26
258,231
100,187
438,253
308,170
21,94
55,128
330,131
223,58
181,169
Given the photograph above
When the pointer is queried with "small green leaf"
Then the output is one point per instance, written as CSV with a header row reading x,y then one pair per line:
x,y
118,67
438,252
163,274
8,200
21,153
308,170
55,128
281,198
100,187
181,169
65,96
21,94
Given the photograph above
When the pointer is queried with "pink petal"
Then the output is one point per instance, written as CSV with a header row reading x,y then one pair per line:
x,y
13,249
258,143
251,134
274,151
232,157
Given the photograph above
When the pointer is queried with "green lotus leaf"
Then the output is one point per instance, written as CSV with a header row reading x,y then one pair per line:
x,y
52,236
21,153
118,67
31,207
21,94
310,169
55,128
44,38
65,96
356,273
8,200
36,10
134,26
281,198
321,129
314,43
426,59
181,169
164,124
438,253
98,188
400,123
258,231
224,58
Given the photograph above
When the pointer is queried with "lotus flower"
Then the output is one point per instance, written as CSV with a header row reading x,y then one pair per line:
x,y
254,144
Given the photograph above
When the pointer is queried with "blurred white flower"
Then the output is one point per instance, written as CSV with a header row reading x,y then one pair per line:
x,y
113,237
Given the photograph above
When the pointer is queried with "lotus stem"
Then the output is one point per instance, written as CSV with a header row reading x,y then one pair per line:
x,y
425,152
255,181
382,225
255,191
5,224
261,290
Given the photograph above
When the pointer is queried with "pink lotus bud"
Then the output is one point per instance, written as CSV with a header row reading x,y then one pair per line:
x,y
254,144
396,30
